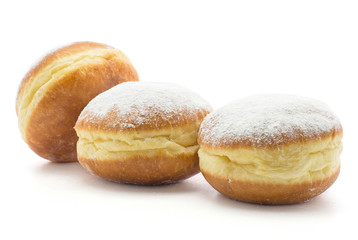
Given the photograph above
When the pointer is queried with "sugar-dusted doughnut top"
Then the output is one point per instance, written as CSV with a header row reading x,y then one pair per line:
x,y
268,121
141,105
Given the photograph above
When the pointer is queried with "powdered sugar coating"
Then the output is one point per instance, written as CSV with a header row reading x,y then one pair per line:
x,y
268,120
141,103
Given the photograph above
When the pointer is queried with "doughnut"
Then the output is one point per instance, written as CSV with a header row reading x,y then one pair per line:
x,y
271,149
141,133
56,89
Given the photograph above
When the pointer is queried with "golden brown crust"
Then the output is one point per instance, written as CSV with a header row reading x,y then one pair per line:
x,y
158,120
50,133
48,127
285,139
65,51
142,170
269,193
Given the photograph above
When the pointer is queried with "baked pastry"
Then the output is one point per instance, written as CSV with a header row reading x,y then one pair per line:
x,y
141,133
271,149
54,92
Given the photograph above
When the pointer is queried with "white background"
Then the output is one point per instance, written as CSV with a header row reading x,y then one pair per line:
x,y
223,50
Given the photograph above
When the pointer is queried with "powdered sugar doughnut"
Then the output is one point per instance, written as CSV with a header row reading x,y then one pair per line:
x,y
271,149
141,133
